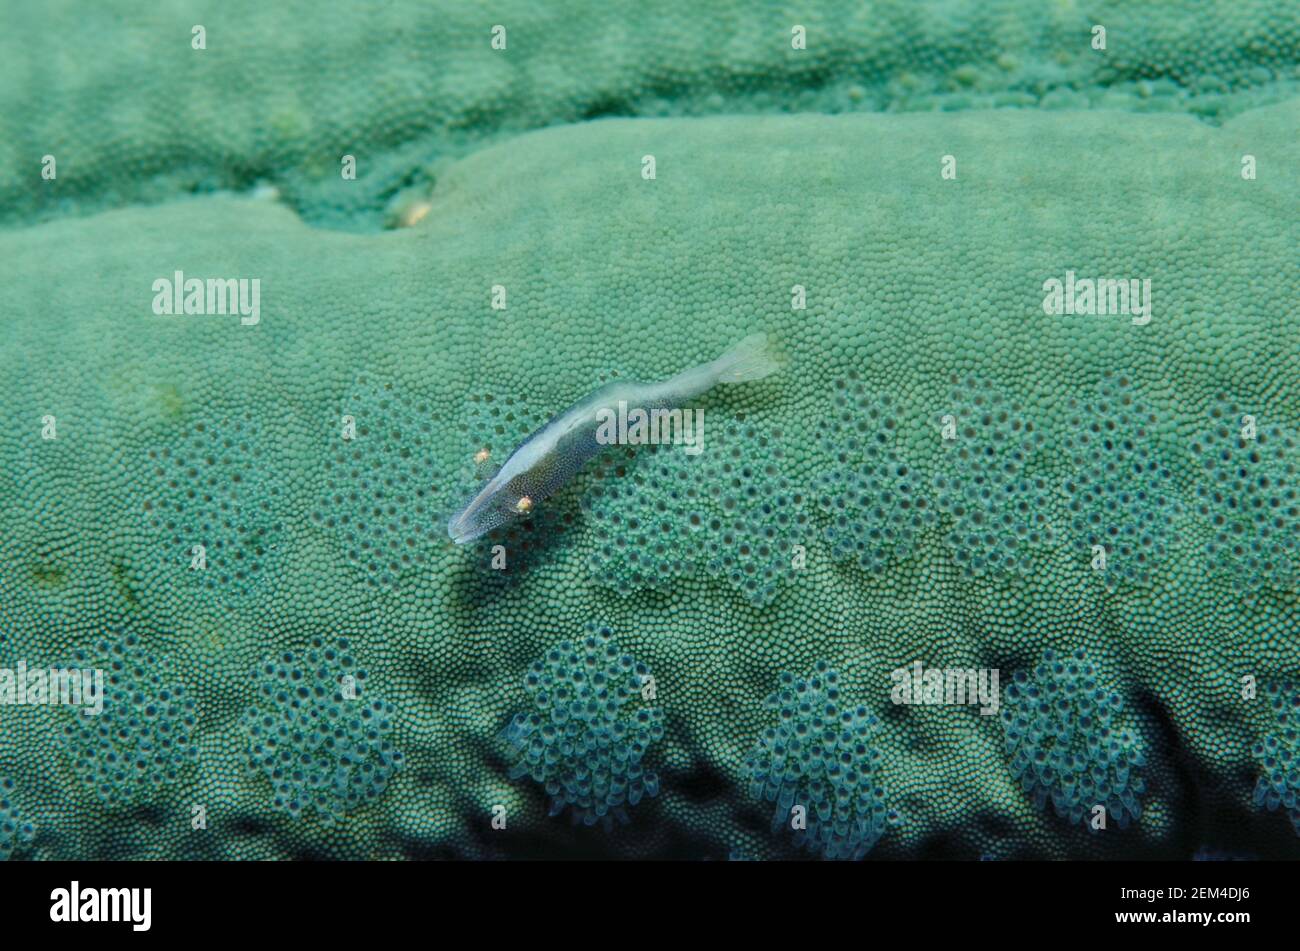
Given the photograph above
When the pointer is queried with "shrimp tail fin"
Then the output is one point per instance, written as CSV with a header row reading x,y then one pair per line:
x,y
753,358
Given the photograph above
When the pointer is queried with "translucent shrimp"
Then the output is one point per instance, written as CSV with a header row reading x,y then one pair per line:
x,y
548,459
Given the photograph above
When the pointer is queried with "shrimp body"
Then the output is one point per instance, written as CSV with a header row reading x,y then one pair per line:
x,y
549,458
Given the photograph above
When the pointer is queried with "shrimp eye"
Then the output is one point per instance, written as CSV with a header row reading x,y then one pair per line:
x,y
524,505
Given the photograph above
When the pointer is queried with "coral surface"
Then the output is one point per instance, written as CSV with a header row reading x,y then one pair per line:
x,y
231,516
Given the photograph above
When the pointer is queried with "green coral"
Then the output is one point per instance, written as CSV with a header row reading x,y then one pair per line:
x,y
377,496
875,501
16,832
1249,493
143,740
213,505
1122,496
588,731
405,87
821,757
989,487
729,512
324,746
913,280
1067,744
1277,756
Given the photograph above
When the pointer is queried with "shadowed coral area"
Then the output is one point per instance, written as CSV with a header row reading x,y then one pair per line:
x,y
924,293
